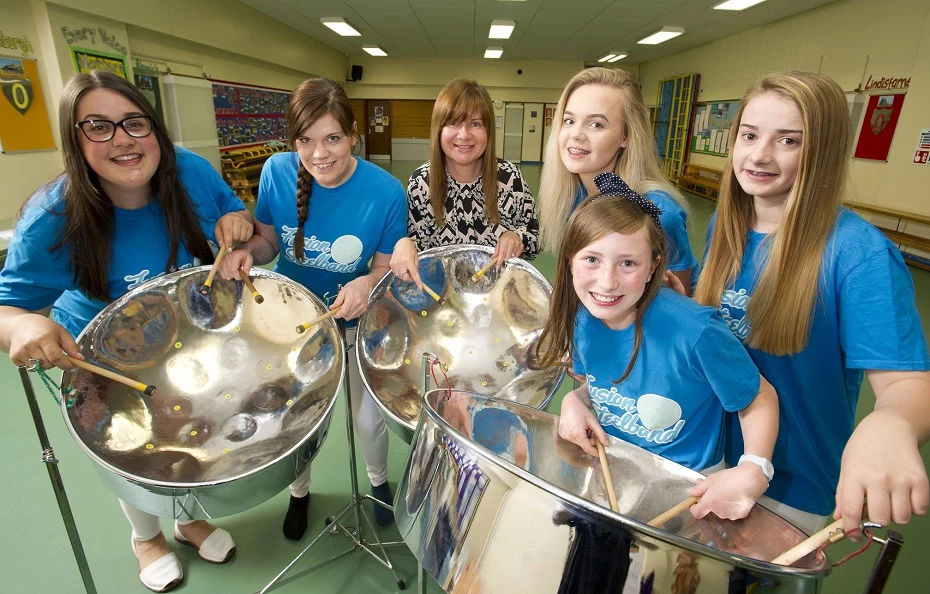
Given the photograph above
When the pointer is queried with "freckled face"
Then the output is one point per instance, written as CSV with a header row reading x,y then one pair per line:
x,y
610,276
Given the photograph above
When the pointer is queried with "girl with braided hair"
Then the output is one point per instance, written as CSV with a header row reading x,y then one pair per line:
x,y
334,220
660,370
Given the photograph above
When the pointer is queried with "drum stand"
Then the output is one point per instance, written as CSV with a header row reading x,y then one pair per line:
x,y
333,525
51,463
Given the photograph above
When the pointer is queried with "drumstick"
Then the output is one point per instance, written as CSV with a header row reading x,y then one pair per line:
x,y
205,289
608,480
315,321
146,389
832,533
484,269
432,293
671,513
248,285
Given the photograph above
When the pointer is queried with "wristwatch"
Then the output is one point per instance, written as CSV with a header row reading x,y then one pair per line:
x,y
767,469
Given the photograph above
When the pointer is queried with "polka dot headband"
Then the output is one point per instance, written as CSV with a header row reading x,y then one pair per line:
x,y
610,184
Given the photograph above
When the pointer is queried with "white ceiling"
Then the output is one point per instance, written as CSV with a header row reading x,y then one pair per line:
x,y
546,29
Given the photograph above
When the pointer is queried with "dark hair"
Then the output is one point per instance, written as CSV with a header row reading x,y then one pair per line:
x,y
89,213
311,100
597,217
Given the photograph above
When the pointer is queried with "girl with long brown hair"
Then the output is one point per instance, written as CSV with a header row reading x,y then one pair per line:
x,y
332,219
660,370
128,207
601,124
464,193
819,297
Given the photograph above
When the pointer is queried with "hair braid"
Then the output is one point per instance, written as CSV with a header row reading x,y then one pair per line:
x,y
304,187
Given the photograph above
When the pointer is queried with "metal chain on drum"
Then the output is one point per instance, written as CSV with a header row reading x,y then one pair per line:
x,y
52,386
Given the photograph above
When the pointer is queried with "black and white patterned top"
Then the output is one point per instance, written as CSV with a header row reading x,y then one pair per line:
x,y
464,220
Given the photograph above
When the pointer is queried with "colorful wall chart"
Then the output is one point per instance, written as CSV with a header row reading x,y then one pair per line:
x,y
24,122
710,134
86,60
248,115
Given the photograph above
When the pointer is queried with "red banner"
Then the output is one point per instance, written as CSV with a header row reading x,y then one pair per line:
x,y
881,118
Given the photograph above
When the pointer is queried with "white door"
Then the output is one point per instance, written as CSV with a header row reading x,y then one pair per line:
x,y
513,132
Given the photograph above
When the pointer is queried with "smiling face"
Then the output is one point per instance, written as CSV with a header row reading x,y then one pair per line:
x,y
124,165
463,144
325,150
592,131
610,276
767,151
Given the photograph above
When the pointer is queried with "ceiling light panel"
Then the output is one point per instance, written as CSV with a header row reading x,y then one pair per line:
x,y
341,27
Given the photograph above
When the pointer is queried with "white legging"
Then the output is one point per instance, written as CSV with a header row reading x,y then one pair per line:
x,y
369,428
145,526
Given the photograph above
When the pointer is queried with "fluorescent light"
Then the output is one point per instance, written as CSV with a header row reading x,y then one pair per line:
x,y
613,56
374,50
493,52
341,27
501,29
737,4
664,34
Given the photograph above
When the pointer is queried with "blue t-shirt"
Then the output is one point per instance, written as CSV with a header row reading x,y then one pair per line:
x,y
674,221
865,317
689,370
345,226
34,277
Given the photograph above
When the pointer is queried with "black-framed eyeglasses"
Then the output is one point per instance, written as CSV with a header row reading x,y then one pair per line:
x,y
138,126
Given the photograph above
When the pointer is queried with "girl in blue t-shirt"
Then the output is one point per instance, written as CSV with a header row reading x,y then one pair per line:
x,y
129,206
660,370
819,297
334,220
601,124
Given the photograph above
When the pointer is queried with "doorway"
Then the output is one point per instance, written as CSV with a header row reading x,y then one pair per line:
x,y
378,141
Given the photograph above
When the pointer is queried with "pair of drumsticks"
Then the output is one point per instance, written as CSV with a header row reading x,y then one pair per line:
x,y
832,533
208,284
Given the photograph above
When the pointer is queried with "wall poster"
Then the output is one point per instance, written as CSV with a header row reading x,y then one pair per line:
x,y
148,85
24,124
248,114
86,60
881,118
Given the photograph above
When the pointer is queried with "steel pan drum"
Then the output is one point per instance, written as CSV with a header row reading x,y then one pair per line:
x,y
242,404
482,332
493,501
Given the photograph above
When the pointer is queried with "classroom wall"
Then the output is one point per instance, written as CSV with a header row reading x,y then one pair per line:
x,y
222,40
837,40
22,173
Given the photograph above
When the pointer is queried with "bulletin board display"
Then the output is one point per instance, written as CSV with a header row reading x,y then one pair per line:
x,y
710,133
85,60
248,115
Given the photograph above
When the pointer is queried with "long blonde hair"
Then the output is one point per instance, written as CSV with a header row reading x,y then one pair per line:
x,y
597,217
783,301
638,164
456,102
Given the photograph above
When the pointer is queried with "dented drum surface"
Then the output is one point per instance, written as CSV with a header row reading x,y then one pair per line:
x,y
483,333
242,402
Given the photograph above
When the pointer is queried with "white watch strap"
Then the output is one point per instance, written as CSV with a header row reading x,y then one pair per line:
x,y
766,465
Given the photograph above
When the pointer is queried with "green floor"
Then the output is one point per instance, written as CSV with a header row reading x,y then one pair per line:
x,y
35,555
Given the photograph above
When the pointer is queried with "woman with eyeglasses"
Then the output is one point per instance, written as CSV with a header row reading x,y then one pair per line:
x,y
128,207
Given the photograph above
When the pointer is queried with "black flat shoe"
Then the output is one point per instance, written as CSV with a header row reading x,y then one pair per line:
x,y
295,520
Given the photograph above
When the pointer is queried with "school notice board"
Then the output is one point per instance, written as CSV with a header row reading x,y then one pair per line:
x,y
248,115
711,131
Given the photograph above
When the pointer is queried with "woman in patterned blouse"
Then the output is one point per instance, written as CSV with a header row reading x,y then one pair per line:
x,y
455,205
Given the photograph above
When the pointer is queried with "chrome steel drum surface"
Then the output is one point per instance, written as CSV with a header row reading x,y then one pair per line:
x,y
242,402
493,501
482,332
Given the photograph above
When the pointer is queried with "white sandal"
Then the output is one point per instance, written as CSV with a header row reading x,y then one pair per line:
x,y
161,575
219,547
